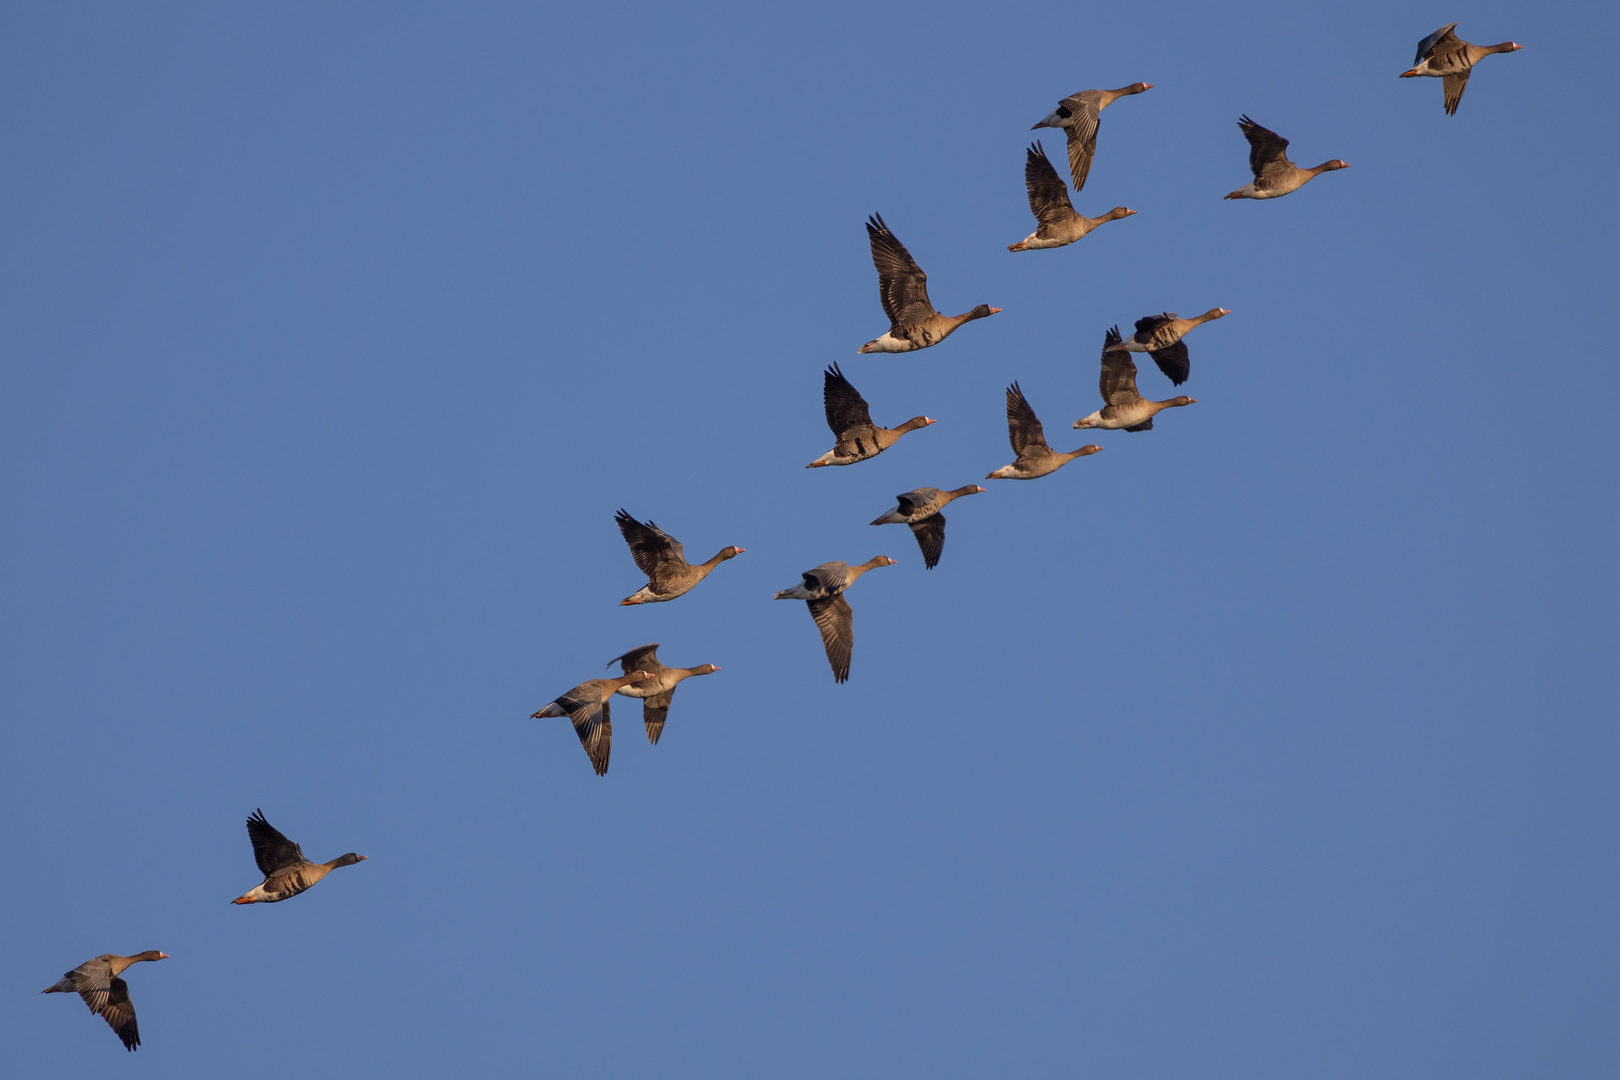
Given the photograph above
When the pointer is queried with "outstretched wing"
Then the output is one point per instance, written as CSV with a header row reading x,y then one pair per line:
x,y
1118,382
902,286
119,1012
1085,114
643,658
836,621
1266,147
593,723
1454,85
1173,361
1023,428
845,406
654,550
654,711
271,850
1048,197
1149,325
930,534
1434,39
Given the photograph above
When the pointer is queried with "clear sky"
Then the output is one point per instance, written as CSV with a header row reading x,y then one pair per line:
x,y
1277,743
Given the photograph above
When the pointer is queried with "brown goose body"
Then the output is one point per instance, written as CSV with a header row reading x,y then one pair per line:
x,y
1057,222
920,509
1035,457
657,691
1124,408
97,982
1446,56
1160,337
851,424
1274,175
663,559
822,589
286,872
903,290
1079,115
587,708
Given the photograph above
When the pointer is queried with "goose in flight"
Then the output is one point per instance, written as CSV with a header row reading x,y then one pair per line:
x,y
97,982
1078,115
823,590
656,692
1035,458
857,437
663,559
1274,175
903,289
1123,407
286,872
1055,217
1160,337
1446,56
921,510
586,706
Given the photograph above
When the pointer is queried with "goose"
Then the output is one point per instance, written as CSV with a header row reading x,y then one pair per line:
x,y
903,288
857,437
286,871
1445,55
1160,337
587,706
1274,175
1123,407
656,692
97,982
663,559
823,590
1078,115
921,510
1035,458
1049,202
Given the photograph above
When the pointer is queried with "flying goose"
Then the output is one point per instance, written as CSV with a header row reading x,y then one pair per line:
x,y
1274,175
1123,407
903,288
1035,458
1079,115
921,510
657,691
286,871
1160,337
663,559
586,705
1049,202
97,982
823,590
1445,55
857,437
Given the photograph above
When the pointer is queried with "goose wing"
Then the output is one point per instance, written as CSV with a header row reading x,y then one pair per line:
x,y
902,285
644,658
655,551
1149,325
1118,381
1173,361
119,1012
930,534
1453,86
1428,44
1023,427
1085,113
654,711
845,407
588,710
271,850
1267,150
836,621
1048,197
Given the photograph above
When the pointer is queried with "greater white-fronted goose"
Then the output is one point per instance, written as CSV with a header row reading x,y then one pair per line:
x,y
1049,202
851,423
657,691
97,982
921,510
286,871
1274,174
663,559
586,706
1035,458
1078,115
903,288
1446,56
1123,407
1160,337
823,590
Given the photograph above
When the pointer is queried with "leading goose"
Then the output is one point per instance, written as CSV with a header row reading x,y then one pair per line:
x,y
97,982
1035,458
823,590
663,559
586,705
1059,225
1123,407
1079,115
1445,55
903,289
658,691
1160,337
286,871
857,437
1274,175
921,510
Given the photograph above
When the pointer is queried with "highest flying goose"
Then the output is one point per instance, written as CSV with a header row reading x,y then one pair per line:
x,y
857,437
1123,407
658,691
586,706
823,590
1049,202
1078,115
97,982
1160,337
1274,175
1035,458
286,871
903,289
663,559
1445,55
921,510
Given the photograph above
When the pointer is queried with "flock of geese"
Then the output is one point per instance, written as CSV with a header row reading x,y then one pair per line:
x,y
913,324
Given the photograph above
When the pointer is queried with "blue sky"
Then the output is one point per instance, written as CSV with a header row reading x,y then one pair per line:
x,y
1276,742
